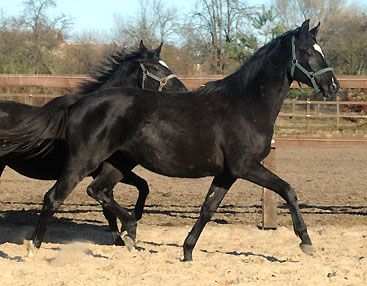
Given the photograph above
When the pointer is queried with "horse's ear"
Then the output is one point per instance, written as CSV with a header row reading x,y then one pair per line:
x,y
315,30
158,50
305,27
142,48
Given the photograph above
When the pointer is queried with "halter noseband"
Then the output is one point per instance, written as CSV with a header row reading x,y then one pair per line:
x,y
311,75
162,80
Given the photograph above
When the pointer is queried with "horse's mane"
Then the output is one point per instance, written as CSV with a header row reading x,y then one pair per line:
x,y
238,82
106,70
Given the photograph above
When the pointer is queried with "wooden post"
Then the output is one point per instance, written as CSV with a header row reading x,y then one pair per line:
x,y
337,112
269,199
308,115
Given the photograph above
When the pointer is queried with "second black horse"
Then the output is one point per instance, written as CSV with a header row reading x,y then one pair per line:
x,y
140,68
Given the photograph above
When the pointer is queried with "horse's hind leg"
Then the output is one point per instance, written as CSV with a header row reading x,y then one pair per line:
x,y
74,170
2,167
108,214
217,191
258,174
101,190
51,202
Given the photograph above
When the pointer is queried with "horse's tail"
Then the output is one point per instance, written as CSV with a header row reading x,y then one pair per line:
x,y
48,122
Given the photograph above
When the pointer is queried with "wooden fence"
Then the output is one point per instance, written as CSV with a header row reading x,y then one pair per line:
x,y
316,113
72,81
60,84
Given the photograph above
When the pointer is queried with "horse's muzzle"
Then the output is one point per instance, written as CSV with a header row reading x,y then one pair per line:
x,y
334,87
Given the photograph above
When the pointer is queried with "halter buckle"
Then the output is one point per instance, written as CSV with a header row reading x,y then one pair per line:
x,y
162,81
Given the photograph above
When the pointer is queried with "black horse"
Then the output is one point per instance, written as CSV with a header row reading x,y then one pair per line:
x,y
142,68
223,129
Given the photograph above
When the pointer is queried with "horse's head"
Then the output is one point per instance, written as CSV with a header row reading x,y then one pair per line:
x,y
142,68
308,61
154,72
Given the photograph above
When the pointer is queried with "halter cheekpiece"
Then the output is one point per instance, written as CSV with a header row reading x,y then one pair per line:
x,y
162,80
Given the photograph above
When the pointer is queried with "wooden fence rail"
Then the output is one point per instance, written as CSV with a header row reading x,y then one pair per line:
x,y
41,81
339,113
72,81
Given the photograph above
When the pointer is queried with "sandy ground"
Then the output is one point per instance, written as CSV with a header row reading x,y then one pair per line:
x,y
331,185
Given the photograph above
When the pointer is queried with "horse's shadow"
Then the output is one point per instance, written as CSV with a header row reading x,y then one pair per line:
x,y
16,226
6,256
272,259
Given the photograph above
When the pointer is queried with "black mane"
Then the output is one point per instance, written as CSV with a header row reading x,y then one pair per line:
x,y
244,76
107,70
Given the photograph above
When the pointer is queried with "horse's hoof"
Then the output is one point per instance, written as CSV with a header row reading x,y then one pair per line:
x,y
31,250
129,242
116,238
119,242
186,259
307,248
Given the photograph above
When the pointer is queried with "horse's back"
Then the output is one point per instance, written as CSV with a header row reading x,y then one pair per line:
x,y
163,128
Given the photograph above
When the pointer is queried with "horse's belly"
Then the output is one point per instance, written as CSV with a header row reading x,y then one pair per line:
x,y
179,160
41,168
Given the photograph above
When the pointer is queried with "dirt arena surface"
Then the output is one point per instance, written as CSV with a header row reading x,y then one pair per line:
x,y
232,250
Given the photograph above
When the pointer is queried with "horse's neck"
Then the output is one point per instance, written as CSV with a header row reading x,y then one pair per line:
x,y
123,80
276,95
274,87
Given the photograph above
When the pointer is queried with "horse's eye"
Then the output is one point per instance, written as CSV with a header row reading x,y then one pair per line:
x,y
309,53
156,68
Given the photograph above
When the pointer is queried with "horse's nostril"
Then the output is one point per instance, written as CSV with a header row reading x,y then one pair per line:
x,y
333,88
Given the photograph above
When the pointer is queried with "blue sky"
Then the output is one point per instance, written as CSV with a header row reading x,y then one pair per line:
x,y
97,15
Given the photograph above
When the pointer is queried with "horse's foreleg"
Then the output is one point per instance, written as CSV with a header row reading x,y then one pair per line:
x,y
143,188
112,223
258,174
217,191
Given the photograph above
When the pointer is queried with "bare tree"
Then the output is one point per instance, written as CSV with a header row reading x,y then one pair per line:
x,y
167,20
154,22
347,53
43,33
294,12
222,21
12,59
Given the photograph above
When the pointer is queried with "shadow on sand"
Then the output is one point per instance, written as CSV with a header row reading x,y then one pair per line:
x,y
19,225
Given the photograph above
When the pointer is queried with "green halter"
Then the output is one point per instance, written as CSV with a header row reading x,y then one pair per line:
x,y
311,75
